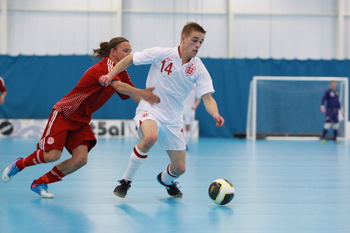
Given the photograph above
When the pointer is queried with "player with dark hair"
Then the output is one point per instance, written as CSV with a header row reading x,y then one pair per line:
x,y
173,73
68,125
331,96
2,90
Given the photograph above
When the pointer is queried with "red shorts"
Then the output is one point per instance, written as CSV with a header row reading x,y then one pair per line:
x,y
62,132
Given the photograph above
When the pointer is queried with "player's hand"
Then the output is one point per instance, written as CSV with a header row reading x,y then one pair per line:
x,y
219,120
105,80
149,96
323,109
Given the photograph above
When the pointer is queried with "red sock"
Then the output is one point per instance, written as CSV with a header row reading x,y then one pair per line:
x,y
36,158
52,176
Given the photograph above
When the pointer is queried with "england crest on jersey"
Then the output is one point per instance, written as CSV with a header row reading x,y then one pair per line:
x,y
190,69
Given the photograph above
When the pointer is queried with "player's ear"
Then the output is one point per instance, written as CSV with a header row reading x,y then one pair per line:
x,y
183,38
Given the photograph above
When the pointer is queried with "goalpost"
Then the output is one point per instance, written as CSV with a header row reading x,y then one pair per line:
x,y
289,107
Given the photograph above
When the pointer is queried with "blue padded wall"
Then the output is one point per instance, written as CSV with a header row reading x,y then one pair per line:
x,y
35,83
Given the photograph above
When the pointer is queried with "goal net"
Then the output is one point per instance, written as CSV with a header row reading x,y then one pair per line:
x,y
290,107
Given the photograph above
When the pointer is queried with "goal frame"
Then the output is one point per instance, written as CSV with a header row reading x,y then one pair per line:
x,y
252,103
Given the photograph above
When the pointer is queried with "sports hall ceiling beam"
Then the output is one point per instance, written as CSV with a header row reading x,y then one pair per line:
x,y
230,31
119,18
340,30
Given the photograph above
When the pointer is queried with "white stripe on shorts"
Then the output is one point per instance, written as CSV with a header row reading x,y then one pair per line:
x,y
52,120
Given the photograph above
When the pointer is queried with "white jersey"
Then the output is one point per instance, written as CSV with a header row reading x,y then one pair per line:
x,y
172,81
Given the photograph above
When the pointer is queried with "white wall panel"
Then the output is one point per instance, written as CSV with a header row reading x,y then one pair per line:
x,y
63,33
289,29
252,36
286,6
302,38
59,27
144,32
180,6
285,29
347,37
163,26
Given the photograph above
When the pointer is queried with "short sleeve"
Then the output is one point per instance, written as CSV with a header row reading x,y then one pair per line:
x,y
147,56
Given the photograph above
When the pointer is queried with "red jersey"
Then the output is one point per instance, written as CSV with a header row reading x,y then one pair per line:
x,y
2,85
89,95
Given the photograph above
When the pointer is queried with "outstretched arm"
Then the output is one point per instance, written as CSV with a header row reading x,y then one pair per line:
x,y
136,93
212,109
105,80
124,88
136,98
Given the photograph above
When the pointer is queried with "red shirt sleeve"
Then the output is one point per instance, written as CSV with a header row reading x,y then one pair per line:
x,y
2,85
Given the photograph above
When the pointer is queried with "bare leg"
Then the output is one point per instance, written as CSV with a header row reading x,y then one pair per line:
x,y
78,160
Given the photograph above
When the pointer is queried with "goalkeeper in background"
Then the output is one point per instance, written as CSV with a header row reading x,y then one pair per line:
x,y
331,96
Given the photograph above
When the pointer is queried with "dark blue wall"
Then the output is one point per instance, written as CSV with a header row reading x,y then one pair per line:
x,y
35,83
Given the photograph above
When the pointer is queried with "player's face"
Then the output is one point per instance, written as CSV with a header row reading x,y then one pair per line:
x,y
333,85
123,49
192,43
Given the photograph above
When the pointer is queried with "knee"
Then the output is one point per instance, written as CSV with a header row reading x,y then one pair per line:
x,y
150,140
80,161
80,156
52,156
179,169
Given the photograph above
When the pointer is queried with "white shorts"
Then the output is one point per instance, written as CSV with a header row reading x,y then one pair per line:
x,y
170,137
188,119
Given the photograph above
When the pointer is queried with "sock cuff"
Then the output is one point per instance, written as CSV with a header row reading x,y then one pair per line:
x,y
57,172
169,172
139,153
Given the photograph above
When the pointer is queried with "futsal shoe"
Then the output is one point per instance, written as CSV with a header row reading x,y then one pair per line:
x,y
10,171
41,189
122,189
172,189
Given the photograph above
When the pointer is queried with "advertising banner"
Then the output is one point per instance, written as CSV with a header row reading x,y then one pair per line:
x,y
33,128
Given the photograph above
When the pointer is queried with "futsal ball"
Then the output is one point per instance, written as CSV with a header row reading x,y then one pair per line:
x,y
221,191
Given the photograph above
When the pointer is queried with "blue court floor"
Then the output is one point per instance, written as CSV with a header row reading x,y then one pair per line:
x,y
281,186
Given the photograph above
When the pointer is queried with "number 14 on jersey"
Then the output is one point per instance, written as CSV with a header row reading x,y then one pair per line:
x,y
167,68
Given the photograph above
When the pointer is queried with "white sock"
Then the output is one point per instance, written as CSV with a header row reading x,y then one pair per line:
x,y
167,176
137,158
